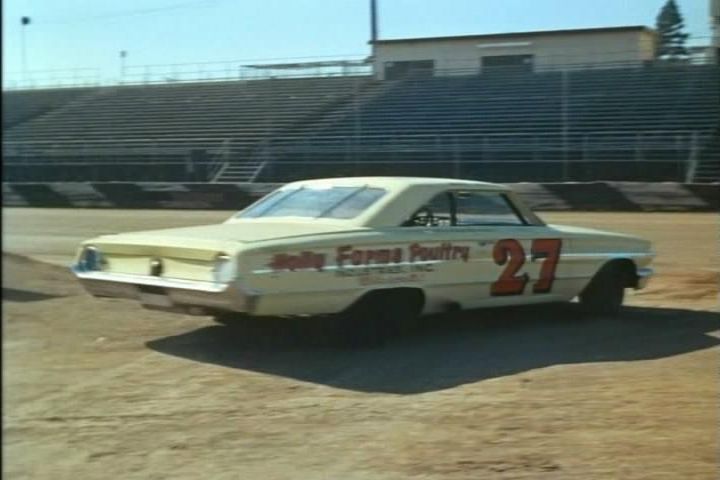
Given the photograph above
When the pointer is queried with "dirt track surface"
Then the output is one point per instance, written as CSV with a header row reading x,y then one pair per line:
x,y
104,389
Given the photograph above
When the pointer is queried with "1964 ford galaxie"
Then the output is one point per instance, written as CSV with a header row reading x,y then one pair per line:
x,y
381,246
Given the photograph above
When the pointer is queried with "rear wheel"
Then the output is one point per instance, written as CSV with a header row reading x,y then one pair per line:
x,y
606,291
379,316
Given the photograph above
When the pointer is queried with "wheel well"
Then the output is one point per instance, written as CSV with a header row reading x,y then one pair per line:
x,y
628,269
414,296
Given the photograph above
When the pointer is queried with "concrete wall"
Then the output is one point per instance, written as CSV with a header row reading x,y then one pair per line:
x,y
595,196
462,56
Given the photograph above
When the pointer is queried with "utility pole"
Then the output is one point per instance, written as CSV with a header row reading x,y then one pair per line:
x,y
24,21
373,32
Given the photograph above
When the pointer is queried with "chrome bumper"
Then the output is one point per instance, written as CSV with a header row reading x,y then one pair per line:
x,y
186,296
643,276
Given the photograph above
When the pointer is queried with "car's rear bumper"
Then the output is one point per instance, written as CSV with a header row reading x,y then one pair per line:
x,y
159,293
643,276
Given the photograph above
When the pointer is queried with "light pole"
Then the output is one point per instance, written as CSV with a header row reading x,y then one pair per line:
x,y
123,55
24,21
373,22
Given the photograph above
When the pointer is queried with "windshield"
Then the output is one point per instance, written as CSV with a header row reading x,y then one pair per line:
x,y
314,202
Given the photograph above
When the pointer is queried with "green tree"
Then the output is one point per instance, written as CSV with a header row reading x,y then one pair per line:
x,y
671,38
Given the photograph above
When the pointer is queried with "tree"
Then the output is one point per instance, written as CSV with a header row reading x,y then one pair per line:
x,y
671,38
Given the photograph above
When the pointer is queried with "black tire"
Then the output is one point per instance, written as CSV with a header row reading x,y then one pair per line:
x,y
379,316
605,293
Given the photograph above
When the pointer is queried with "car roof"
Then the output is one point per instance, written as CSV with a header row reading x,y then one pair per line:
x,y
398,183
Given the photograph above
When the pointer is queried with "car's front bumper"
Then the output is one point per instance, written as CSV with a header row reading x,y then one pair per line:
x,y
178,295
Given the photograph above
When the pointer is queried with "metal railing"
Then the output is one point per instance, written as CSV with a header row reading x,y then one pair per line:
x,y
457,151
303,67
60,78
299,67
681,140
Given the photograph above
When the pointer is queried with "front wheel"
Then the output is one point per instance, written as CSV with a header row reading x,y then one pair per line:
x,y
606,291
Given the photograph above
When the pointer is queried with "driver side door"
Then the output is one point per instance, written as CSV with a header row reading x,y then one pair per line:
x,y
512,259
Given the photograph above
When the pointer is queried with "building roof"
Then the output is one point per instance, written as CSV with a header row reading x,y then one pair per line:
x,y
576,31
297,65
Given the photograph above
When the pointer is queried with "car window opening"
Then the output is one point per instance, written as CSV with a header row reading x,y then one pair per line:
x,y
308,202
465,209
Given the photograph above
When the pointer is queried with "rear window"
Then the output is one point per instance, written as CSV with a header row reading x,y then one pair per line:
x,y
314,202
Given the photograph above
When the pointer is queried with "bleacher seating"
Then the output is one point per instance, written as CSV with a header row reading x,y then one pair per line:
x,y
132,125
612,124
598,121
20,106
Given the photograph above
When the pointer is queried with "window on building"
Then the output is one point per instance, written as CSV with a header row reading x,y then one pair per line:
x,y
414,68
492,63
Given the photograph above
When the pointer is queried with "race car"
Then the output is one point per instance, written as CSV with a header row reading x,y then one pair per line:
x,y
370,249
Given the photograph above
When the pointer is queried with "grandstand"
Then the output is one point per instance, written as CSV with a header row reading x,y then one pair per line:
x,y
619,124
18,106
163,132
651,122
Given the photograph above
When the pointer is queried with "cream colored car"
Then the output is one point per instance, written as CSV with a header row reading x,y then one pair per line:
x,y
383,247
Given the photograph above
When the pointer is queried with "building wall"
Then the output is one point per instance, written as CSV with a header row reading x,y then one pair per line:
x,y
461,56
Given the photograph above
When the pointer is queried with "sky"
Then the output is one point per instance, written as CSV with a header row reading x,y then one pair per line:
x,y
74,34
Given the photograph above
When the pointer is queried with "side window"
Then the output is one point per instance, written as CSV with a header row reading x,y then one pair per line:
x,y
435,213
441,210
475,208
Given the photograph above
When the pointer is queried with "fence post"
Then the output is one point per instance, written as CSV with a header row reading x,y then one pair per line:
x,y
456,157
356,114
564,108
692,162
438,148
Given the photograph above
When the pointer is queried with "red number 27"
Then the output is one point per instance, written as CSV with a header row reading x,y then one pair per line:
x,y
509,252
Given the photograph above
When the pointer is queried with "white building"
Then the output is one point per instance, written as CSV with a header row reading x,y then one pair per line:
x,y
535,51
